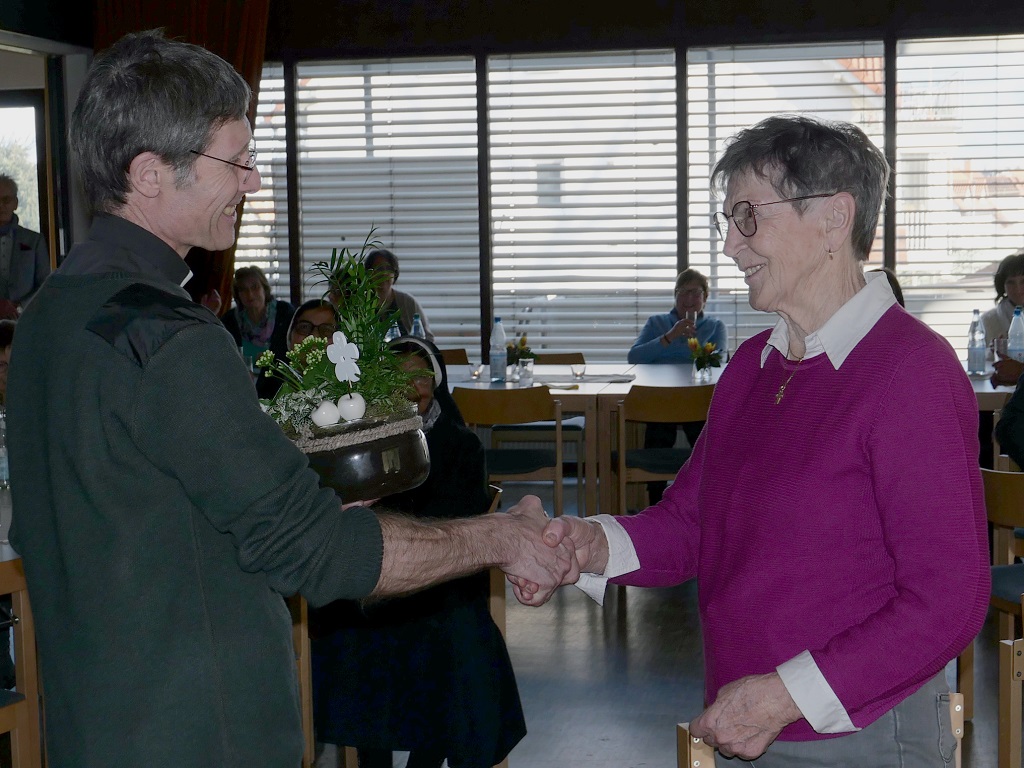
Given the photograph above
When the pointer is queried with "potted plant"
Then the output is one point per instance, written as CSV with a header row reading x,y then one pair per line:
x,y
343,400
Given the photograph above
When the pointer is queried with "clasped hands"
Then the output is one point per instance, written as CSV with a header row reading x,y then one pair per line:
x,y
550,553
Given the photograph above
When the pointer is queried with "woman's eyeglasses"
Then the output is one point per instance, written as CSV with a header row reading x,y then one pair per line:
x,y
743,214
324,330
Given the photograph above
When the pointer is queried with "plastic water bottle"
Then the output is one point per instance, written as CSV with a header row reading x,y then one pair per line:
x,y
417,327
1015,343
499,356
976,349
393,332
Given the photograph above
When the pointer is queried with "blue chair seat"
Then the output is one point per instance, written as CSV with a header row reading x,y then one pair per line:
x,y
659,460
1008,582
7,698
571,424
518,461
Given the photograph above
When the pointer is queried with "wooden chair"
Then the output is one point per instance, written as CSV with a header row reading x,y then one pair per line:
x,y
19,709
488,407
496,598
660,405
300,641
692,752
454,356
544,431
1004,503
1011,675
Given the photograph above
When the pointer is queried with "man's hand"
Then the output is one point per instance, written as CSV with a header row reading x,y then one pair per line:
x,y
1007,371
747,716
589,545
538,566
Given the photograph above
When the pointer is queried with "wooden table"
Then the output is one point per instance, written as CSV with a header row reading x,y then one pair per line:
x,y
583,398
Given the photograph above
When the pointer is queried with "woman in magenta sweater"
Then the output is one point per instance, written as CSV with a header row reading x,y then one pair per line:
x,y
832,510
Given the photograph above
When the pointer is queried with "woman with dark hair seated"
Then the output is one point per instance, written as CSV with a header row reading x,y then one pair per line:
x,y
428,673
1009,284
258,322
315,317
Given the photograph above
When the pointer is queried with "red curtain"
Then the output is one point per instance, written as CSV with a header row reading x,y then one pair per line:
x,y
236,30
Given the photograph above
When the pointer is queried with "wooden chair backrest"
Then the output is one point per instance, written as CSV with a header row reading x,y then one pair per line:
x,y
1004,497
486,407
454,356
560,358
667,404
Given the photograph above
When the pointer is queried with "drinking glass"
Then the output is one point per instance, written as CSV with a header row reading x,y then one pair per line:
x,y
999,348
578,369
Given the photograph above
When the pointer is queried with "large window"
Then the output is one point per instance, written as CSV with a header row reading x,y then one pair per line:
x,y
392,145
960,173
732,88
263,237
582,176
583,196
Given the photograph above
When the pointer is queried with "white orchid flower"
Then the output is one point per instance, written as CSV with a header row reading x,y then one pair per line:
x,y
343,353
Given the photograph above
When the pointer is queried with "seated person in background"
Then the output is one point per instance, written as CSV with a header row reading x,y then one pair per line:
x,y
24,257
6,339
383,260
428,673
663,339
1010,428
315,317
1009,282
258,322
6,662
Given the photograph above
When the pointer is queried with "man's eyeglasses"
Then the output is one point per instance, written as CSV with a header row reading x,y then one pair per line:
x,y
324,330
248,167
743,214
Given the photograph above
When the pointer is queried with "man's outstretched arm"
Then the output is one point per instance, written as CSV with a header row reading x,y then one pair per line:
x,y
418,553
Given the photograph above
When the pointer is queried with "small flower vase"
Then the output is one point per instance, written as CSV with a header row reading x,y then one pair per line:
x,y
701,375
526,372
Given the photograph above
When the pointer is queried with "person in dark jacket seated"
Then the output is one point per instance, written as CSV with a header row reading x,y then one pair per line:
x,y
1010,427
428,673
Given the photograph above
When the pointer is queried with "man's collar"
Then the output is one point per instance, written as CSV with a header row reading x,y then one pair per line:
x,y
119,233
842,332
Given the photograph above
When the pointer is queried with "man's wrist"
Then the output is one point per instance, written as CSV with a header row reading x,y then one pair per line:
x,y
665,339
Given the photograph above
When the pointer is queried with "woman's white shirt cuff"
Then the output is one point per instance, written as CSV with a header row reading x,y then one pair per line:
x,y
621,558
813,695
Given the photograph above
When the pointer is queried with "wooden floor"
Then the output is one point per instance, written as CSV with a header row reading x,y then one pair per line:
x,y
604,687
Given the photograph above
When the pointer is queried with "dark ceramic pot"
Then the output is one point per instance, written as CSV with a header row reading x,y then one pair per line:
x,y
374,469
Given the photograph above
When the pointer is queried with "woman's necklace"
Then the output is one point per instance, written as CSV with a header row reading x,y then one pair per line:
x,y
782,389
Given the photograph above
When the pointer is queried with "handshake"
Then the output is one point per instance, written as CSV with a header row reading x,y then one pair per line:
x,y
541,554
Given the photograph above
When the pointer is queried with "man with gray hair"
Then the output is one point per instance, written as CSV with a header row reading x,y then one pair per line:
x,y
160,513
24,257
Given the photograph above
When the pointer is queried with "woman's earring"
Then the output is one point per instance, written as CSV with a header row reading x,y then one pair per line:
x,y
830,254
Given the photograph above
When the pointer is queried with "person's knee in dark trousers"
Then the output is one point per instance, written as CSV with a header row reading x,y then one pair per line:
x,y
425,758
374,758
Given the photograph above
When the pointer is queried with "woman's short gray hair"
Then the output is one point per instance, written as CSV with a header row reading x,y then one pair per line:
x,y
149,94
801,155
